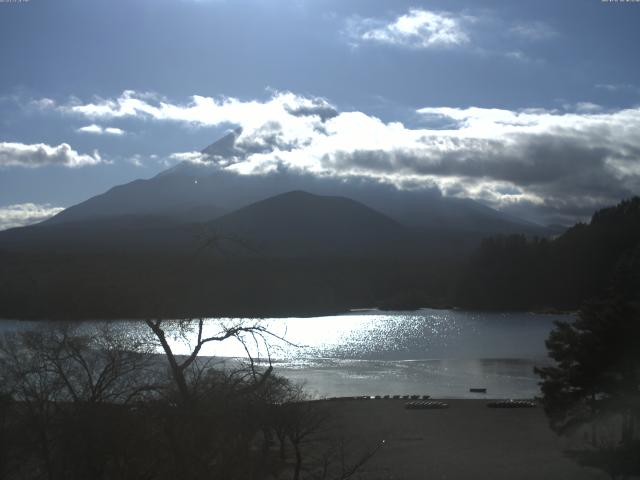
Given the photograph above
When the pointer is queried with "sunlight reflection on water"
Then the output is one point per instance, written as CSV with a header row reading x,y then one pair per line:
x,y
427,334
439,352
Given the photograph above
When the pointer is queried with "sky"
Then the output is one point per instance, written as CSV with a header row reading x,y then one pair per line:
x,y
532,108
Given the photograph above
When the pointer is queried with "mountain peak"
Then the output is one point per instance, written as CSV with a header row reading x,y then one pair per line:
x,y
292,194
299,223
225,146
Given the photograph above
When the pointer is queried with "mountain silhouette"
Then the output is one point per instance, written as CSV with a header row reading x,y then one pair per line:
x,y
133,233
299,223
200,192
293,224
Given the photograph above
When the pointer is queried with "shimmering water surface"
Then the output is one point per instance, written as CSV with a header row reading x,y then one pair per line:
x,y
438,352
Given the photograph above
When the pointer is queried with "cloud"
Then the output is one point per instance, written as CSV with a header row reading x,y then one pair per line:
x,y
619,87
136,160
520,57
308,107
206,111
43,103
192,157
420,29
23,214
533,31
41,154
98,130
480,32
540,159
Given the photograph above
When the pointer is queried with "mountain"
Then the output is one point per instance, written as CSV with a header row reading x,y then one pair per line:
x,y
293,224
299,223
129,234
453,214
174,193
190,192
176,196
300,254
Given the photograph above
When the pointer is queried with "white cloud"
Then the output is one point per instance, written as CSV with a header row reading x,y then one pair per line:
x,y
41,154
113,131
205,111
588,107
98,130
23,214
135,160
478,31
91,129
580,156
416,29
193,157
43,103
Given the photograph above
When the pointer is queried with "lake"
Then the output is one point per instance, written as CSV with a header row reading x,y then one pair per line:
x,y
441,353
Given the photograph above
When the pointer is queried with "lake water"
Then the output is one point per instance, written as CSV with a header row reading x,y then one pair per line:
x,y
442,353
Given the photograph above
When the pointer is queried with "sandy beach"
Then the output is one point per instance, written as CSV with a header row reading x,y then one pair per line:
x,y
468,440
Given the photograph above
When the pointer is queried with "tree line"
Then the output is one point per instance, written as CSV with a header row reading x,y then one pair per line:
x,y
592,389
519,273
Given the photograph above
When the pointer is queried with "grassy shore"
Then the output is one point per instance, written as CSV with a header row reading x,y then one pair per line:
x,y
465,441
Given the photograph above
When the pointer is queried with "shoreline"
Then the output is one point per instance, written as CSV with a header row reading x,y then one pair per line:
x,y
467,440
287,314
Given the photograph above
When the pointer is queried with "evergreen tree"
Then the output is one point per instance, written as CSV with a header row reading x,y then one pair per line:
x,y
595,382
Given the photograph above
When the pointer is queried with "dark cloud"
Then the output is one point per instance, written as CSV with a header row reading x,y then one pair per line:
x,y
569,174
318,108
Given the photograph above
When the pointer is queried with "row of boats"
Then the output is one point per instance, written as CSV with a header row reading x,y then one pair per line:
x,y
423,402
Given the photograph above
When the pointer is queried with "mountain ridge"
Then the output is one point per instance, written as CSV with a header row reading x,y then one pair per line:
x,y
302,223
186,188
292,224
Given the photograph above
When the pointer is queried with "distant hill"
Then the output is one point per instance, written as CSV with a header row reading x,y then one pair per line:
x,y
302,224
132,234
293,224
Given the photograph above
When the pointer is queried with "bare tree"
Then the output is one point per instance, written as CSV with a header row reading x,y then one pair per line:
x,y
71,390
236,330
95,403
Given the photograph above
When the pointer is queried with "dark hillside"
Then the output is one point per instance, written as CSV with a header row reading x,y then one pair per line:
x,y
302,224
513,272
